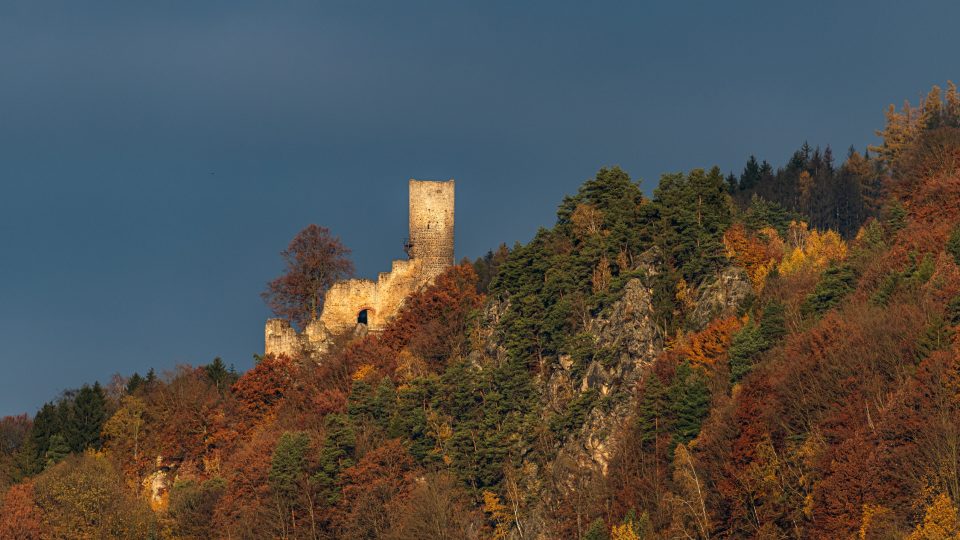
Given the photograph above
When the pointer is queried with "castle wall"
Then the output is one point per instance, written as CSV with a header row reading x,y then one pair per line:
x,y
344,301
382,299
281,339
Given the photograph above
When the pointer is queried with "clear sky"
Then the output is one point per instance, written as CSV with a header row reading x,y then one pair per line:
x,y
156,156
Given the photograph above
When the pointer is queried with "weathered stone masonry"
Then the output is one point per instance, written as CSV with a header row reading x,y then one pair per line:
x,y
348,303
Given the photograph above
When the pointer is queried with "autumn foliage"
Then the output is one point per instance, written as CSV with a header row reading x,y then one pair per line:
x,y
586,397
757,253
314,261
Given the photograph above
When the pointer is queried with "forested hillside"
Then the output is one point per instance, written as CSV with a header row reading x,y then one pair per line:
x,y
772,354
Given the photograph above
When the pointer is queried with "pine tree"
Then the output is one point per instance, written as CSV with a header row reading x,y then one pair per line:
x,y
953,244
218,375
384,402
953,311
597,531
410,419
733,185
762,213
773,323
47,423
335,455
653,411
746,345
151,378
288,463
835,283
134,382
56,451
87,415
936,336
693,211
360,405
751,175
689,402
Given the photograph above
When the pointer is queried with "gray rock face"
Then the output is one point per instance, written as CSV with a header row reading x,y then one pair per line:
x,y
628,327
628,334
724,294
628,330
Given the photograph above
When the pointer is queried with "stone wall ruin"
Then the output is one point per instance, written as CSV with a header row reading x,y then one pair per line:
x,y
364,304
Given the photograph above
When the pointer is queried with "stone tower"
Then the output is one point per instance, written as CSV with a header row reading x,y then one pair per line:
x,y
365,304
431,225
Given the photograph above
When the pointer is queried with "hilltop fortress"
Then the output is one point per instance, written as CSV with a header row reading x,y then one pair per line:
x,y
358,304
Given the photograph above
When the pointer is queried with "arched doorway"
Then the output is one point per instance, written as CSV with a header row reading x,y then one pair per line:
x,y
364,316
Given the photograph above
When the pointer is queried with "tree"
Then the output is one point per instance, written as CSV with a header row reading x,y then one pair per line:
x,y
335,455
16,451
88,413
811,250
377,479
314,260
597,531
709,347
693,211
750,176
19,515
47,423
287,470
437,509
689,402
689,505
263,387
939,523
910,129
134,382
487,267
755,255
85,497
57,450
433,323
953,244
773,322
192,504
652,411
124,430
746,345
835,283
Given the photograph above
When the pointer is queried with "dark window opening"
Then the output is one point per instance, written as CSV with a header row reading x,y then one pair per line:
x,y
362,317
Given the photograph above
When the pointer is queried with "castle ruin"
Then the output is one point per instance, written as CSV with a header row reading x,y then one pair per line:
x,y
363,304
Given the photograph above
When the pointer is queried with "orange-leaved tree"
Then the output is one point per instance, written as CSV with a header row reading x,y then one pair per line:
x,y
758,254
708,348
19,516
434,323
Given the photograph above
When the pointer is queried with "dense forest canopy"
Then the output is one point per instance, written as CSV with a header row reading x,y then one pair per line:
x,y
765,355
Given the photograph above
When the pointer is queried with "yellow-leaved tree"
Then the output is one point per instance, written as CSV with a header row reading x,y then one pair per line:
x,y
940,521
811,250
499,514
123,432
624,531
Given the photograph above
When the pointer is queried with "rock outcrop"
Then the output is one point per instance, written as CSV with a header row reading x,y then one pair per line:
x,y
726,293
629,330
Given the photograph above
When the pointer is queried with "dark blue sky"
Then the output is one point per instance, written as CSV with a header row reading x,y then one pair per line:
x,y
156,156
